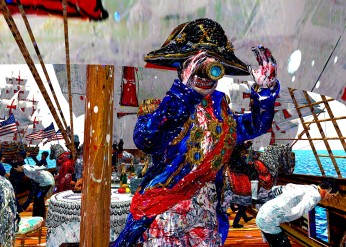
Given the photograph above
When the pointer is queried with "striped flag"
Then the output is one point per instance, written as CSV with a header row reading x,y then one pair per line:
x,y
49,131
57,136
9,126
37,135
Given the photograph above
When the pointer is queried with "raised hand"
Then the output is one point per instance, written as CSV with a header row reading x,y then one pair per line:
x,y
190,66
265,75
189,77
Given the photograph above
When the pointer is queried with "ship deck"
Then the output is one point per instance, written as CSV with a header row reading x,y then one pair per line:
x,y
249,235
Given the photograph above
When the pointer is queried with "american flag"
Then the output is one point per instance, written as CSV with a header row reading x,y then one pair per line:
x,y
37,135
49,131
57,136
9,126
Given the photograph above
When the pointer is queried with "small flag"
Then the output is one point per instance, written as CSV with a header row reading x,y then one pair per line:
x,y
37,135
49,131
9,126
57,136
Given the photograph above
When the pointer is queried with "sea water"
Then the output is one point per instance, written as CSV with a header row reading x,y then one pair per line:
x,y
306,164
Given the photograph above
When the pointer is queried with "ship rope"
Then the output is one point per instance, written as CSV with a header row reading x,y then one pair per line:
x,y
19,40
27,24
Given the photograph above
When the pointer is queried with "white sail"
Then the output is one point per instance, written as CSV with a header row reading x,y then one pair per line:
x,y
15,90
9,90
3,108
28,107
21,81
78,79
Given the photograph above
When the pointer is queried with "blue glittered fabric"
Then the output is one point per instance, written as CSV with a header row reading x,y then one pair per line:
x,y
169,135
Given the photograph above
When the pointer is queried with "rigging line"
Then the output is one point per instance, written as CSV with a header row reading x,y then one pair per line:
x,y
83,94
325,65
27,24
316,142
67,53
26,55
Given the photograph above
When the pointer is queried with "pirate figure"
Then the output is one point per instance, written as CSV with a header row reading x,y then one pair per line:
x,y
190,135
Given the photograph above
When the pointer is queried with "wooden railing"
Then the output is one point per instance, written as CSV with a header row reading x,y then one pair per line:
x,y
336,213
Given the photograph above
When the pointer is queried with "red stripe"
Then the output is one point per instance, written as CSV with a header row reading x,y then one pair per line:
x,y
154,66
8,129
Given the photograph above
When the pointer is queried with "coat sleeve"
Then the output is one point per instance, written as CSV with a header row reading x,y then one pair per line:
x,y
155,130
259,121
2,170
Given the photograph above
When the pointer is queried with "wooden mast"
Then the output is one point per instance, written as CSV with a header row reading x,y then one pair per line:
x,y
67,52
95,212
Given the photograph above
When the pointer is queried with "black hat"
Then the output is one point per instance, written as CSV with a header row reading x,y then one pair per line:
x,y
45,153
189,38
330,184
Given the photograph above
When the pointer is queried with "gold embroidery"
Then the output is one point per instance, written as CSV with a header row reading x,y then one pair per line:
x,y
194,155
182,133
216,163
215,129
229,46
228,100
180,38
148,106
204,35
196,135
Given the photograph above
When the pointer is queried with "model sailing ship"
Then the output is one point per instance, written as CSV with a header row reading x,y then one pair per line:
x,y
18,104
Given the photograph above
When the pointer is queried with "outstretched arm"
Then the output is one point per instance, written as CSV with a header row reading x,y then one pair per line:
x,y
263,96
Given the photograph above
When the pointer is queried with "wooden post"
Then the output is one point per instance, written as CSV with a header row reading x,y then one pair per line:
x,y
95,212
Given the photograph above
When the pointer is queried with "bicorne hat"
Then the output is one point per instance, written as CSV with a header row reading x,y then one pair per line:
x,y
189,38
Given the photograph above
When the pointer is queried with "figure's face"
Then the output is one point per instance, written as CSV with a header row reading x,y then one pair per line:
x,y
326,195
195,73
202,85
